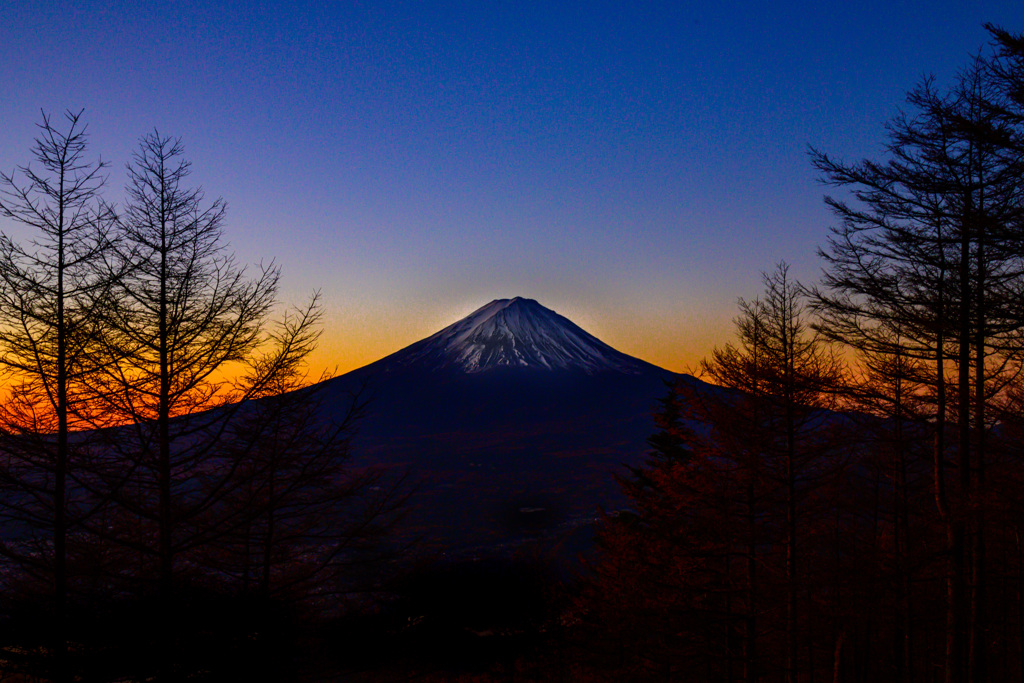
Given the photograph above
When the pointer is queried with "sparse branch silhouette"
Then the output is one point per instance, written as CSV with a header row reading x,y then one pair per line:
x,y
48,335
927,266
887,545
144,431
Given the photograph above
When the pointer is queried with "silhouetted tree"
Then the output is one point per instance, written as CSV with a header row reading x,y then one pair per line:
x,y
178,326
654,604
927,265
157,425
790,375
893,435
721,527
307,520
49,291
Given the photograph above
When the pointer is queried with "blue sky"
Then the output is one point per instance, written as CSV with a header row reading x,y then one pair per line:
x,y
634,166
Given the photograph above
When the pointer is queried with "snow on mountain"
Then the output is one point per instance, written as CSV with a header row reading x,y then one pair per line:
x,y
516,333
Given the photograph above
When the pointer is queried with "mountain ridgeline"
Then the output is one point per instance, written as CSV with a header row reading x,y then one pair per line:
x,y
515,333
511,422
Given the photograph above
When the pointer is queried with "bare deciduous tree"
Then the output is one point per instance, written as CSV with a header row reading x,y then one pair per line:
x,y
49,291
182,319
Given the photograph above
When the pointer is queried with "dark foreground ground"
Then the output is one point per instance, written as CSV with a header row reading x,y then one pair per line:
x,y
462,620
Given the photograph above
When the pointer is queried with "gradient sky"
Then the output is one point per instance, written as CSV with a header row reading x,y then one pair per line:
x,y
632,165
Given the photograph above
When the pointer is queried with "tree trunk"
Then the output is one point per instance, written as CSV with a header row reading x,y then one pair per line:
x,y
979,624
60,522
750,656
837,658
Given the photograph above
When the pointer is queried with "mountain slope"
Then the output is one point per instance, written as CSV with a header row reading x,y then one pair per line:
x,y
512,422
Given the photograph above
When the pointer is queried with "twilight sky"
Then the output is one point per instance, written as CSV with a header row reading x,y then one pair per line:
x,y
632,165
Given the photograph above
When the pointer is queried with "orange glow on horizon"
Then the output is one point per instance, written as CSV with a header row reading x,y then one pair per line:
x,y
668,346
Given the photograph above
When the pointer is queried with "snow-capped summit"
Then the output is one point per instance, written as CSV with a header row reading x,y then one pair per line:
x,y
516,333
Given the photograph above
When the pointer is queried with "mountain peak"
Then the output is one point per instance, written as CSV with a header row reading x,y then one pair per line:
x,y
516,333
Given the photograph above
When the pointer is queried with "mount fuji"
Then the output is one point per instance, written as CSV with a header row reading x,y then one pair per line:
x,y
516,333
511,422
